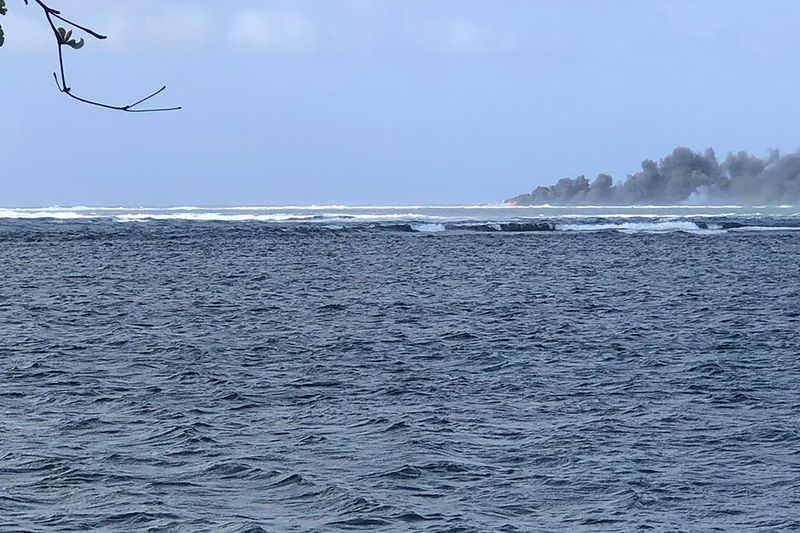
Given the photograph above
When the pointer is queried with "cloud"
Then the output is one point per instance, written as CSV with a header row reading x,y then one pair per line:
x,y
142,25
176,27
462,36
271,31
300,27
155,26
470,37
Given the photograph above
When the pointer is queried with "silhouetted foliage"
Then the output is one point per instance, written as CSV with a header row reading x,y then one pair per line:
x,y
64,38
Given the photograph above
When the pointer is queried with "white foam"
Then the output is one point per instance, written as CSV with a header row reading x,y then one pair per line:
x,y
395,216
767,228
132,220
326,218
634,227
430,218
30,214
211,217
660,216
707,231
636,206
428,228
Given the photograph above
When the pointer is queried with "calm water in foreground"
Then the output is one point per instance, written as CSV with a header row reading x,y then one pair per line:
x,y
400,369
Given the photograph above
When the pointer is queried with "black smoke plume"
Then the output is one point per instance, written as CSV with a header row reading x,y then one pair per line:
x,y
684,177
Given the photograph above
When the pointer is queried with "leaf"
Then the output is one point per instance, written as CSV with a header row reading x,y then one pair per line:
x,y
77,45
62,35
3,11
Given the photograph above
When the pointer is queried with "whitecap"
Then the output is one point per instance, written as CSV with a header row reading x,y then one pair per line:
x,y
634,227
30,214
212,217
428,228
707,231
766,228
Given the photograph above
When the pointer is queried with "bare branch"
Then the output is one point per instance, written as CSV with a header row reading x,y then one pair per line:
x,y
82,28
63,40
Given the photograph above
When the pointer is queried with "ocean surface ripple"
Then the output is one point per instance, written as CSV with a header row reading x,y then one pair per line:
x,y
185,375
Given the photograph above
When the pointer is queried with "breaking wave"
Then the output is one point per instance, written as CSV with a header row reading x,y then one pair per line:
x,y
429,228
270,217
72,214
443,220
660,226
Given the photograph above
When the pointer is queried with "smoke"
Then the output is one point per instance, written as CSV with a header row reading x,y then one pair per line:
x,y
684,177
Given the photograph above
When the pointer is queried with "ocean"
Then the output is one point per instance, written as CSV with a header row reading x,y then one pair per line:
x,y
379,368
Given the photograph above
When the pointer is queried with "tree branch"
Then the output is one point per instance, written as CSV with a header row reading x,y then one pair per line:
x,y
87,30
63,38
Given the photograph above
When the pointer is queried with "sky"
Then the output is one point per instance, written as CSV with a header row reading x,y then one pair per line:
x,y
376,102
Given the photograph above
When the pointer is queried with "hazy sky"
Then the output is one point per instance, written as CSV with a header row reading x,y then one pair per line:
x,y
386,101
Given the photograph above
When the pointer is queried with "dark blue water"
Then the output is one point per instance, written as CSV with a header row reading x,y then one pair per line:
x,y
224,376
